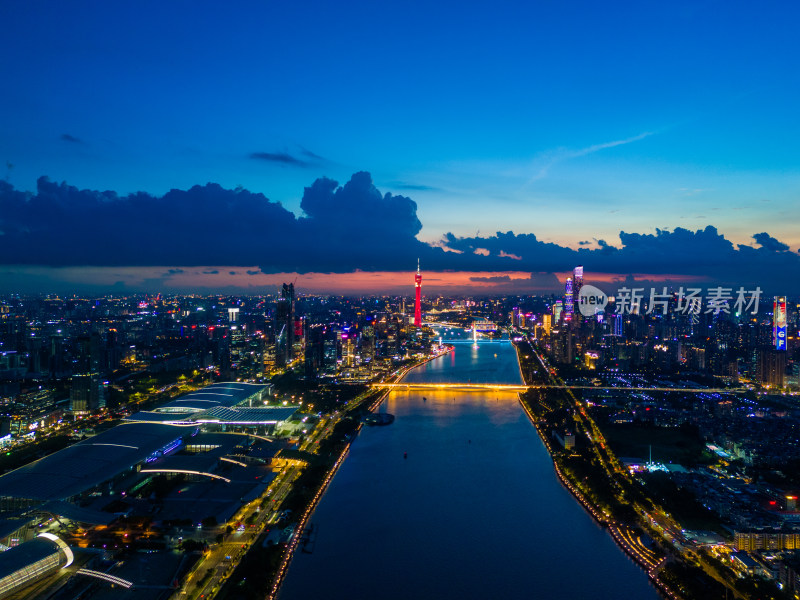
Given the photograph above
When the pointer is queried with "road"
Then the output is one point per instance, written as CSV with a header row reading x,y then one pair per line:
x,y
222,558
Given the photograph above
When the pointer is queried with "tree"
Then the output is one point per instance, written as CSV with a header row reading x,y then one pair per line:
x,y
210,521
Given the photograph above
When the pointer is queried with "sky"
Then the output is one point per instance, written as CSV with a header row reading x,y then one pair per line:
x,y
145,145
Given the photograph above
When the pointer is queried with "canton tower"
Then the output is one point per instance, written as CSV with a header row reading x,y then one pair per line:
x,y
417,307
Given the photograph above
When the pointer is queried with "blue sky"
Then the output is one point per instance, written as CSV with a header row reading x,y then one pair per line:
x,y
573,121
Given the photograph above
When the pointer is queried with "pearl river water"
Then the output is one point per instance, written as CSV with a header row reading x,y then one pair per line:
x,y
475,511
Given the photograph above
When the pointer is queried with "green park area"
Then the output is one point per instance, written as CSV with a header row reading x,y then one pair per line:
x,y
682,445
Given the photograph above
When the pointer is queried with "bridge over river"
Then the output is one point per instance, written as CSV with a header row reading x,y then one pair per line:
x,y
511,387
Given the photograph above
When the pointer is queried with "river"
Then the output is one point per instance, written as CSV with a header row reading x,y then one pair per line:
x,y
474,511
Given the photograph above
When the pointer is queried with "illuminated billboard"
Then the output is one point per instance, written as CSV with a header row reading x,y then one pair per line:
x,y
779,323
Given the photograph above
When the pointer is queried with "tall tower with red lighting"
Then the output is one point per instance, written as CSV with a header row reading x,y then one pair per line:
x,y
417,305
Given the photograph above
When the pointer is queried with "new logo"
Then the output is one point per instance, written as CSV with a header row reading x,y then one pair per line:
x,y
591,300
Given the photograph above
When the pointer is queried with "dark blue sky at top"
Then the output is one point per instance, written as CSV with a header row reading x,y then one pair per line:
x,y
571,121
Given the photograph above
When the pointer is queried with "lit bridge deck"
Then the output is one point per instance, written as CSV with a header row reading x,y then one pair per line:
x,y
477,387
482,387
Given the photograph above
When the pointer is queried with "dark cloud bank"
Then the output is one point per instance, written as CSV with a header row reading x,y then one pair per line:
x,y
343,228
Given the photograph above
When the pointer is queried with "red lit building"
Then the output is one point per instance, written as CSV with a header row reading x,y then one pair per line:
x,y
417,306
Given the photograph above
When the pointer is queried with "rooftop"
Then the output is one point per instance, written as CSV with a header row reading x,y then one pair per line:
x,y
216,394
182,410
26,554
166,418
89,463
267,415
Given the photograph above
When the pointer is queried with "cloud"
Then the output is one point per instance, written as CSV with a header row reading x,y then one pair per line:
x,y
768,242
705,254
62,225
535,283
694,191
309,158
174,272
561,154
66,137
606,145
605,247
231,272
354,226
526,246
493,279
413,187
309,154
343,228
281,158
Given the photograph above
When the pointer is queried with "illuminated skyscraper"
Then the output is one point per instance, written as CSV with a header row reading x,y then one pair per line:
x,y
557,309
577,284
547,323
616,324
779,323
417,303
284,326
569,300
577,274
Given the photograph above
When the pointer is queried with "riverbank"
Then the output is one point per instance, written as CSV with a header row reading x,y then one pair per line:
x,y
301,524
329,475
647,563
651,563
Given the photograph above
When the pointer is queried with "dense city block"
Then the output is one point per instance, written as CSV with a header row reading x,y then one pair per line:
x,y
197,433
